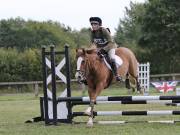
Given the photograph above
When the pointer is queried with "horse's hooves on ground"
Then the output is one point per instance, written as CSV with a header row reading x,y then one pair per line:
x,y
90,122
89,125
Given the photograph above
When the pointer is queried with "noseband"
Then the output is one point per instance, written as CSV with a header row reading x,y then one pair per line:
x,y
82,74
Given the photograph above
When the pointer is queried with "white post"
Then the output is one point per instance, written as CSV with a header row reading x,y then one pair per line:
x,y
178,91
36,89
144,75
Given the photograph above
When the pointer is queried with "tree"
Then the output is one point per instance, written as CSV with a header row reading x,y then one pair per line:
x,y
129,30
161,32
20,41
152,31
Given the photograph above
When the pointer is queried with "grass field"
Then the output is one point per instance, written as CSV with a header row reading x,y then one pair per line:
x,y
15,109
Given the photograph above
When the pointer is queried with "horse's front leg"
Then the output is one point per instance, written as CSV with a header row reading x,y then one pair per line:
x,y
91,116
89,111
93,95
92,98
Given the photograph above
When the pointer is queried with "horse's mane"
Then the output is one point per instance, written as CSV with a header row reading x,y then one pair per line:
x,y
83,51
91,51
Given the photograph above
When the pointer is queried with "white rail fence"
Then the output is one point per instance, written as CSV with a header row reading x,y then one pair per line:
x,y
144,75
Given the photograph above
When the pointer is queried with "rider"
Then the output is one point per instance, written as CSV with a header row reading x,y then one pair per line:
x,y
101,39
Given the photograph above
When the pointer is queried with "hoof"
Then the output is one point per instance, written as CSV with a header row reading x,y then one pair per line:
x,y
88,111
142,90
90,123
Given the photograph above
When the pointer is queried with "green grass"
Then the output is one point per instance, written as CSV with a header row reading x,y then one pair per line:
x,y
15,109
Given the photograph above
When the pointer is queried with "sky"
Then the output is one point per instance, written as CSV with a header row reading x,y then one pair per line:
x,y
73,13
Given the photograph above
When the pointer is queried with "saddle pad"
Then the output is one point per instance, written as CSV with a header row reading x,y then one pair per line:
x,y
119,62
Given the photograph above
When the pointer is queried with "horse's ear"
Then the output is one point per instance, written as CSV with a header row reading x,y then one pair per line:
x,y
84,51
80,51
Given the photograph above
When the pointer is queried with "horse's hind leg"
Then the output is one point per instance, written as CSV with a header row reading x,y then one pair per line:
x,y
127,82
138,85
139,88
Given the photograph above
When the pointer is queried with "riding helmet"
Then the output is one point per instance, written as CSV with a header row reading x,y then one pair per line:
x,y
95,20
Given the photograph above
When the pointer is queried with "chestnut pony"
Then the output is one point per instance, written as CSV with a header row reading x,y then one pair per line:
x,y
92,69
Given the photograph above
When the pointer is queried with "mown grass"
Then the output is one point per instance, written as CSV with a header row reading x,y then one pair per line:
x,y
15,109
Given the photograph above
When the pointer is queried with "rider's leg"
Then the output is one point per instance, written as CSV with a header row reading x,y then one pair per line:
x,y
112,56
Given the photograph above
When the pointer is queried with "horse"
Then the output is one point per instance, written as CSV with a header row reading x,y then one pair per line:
x,y
92,70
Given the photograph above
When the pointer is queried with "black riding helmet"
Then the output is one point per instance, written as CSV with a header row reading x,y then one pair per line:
x,y
95,20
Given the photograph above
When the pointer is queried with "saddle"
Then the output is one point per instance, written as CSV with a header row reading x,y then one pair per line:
x,y
111,64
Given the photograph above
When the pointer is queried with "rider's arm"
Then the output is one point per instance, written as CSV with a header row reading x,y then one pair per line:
x,y
110,42
107,35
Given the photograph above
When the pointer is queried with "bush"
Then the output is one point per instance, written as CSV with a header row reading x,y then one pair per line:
x,y
20,66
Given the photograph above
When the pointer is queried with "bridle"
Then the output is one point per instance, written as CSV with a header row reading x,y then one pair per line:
x,y
80,74
81,77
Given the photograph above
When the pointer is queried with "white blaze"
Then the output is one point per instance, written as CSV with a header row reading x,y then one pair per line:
x,y
79,61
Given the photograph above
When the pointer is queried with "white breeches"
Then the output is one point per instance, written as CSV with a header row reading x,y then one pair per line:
x,y
113,56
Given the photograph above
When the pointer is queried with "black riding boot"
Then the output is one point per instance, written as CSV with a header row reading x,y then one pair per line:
x,y
114,69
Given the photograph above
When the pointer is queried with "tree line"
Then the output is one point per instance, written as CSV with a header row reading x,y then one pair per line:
x,y
21,42
150,29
